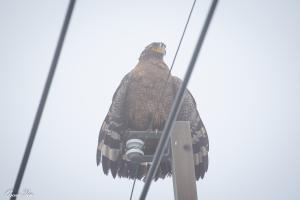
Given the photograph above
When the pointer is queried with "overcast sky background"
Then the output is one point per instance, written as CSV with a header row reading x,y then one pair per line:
x,y
246,84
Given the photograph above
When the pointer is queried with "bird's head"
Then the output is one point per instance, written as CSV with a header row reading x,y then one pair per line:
x,y
154,50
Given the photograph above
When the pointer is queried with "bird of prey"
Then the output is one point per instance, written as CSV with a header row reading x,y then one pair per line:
x,y
143,101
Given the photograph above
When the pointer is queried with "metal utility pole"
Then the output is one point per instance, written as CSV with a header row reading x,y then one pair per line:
x,y
184,181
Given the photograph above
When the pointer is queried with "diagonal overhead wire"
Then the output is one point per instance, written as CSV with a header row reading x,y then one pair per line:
x,y
182,36
176,105
162,90
43,99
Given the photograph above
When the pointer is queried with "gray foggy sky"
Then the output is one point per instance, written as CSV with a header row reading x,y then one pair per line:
x,y
246,84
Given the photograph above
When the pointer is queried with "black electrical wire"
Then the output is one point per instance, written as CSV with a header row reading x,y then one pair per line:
x,y
42,101
182,36
176,105
136,174
132,189
170,70
161,92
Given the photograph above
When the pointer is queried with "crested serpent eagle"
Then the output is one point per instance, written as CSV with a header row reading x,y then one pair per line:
x,y
141,102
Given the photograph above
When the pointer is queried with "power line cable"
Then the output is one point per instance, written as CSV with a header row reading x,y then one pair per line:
x,y
177,104
173,61
43,99
136,173
132,189
161,92
182,36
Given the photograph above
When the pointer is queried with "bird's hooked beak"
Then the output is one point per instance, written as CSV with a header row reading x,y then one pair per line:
x,y
155,49
159,48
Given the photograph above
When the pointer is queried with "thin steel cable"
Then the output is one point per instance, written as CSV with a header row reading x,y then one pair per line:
x,y
182,36
177,104
132,188
161,92
136,173
42,101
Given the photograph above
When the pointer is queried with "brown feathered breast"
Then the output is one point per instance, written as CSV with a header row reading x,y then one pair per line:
x,y
148,98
